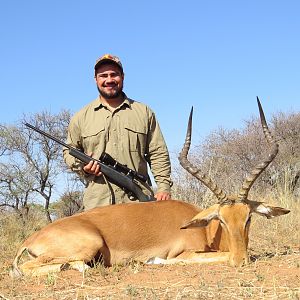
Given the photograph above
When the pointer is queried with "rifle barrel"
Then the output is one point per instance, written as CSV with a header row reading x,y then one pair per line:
x,y
48,135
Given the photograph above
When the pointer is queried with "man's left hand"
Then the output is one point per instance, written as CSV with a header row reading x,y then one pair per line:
x,y
162,196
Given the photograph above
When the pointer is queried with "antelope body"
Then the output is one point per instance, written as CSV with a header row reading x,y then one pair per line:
x,y
171,231
142,231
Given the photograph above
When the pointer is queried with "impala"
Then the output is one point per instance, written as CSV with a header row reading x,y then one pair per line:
x,y
154,232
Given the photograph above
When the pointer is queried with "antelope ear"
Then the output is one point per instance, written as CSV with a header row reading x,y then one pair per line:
x,y
270,211
204,217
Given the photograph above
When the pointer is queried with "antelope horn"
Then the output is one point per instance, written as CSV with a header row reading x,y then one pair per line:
x,y
248,182
205,179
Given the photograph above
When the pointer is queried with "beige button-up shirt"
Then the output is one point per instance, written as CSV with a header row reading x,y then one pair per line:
x,y
130,134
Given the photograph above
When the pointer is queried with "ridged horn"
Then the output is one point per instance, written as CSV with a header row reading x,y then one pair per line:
x,y
185,163
249,181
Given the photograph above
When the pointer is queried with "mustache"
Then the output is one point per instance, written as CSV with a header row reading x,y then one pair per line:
x,y
117,93
110,84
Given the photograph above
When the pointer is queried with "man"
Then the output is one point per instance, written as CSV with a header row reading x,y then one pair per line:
x,y
125,129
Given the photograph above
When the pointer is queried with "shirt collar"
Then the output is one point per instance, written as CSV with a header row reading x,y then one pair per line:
x,y
98,105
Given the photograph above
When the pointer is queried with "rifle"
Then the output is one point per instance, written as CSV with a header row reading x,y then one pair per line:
x,y
117,173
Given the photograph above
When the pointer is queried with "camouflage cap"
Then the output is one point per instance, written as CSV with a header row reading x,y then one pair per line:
x,y
109,58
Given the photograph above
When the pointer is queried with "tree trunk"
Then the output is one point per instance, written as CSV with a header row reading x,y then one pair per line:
x,y
48,216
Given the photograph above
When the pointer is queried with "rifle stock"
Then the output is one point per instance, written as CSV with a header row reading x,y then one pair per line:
x,y
114,176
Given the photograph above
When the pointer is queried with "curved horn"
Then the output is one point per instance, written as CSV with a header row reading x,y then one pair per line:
x,y
205,179
248,182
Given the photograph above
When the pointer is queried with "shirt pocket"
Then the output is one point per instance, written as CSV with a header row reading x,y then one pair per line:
x,y
136,137
93,140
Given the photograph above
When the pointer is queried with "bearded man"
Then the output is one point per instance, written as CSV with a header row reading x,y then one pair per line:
x,y
125,129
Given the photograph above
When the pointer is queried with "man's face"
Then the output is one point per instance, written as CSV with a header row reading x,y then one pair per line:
x,y
109,80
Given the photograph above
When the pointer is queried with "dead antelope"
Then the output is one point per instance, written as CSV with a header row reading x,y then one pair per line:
x,y
153,231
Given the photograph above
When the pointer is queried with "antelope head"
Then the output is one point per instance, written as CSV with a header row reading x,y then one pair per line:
x,y
233,211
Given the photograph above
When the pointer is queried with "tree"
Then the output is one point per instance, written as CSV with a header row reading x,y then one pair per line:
x,y
287,128
69,204
228,156
31,163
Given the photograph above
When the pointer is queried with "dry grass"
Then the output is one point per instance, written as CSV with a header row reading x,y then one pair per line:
x,y
274,271
267,278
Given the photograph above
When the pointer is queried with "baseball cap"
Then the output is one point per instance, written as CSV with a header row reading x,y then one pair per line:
x,y
109,58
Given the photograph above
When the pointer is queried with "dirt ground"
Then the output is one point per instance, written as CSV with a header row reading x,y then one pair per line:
x,y
268,276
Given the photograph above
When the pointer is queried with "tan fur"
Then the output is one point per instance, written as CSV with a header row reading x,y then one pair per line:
x,y
138,231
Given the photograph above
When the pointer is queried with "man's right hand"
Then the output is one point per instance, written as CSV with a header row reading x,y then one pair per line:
x,y
92,168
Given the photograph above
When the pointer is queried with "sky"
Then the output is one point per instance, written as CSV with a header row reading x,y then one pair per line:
x,y
214,55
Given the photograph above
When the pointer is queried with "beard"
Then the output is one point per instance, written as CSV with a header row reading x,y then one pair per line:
x,y
112,94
